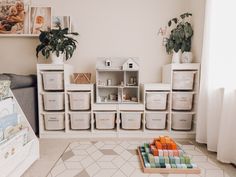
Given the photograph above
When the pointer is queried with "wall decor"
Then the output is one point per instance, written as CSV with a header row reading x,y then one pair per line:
x,y
40,19
63,21
14,16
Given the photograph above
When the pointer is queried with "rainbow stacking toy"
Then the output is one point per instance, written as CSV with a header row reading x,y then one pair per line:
x,y
165,156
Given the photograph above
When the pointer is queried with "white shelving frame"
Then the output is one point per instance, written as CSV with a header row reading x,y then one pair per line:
x,y
167,77
117,75
114,107
18,163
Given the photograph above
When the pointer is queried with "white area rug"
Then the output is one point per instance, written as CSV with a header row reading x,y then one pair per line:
x,y
119,159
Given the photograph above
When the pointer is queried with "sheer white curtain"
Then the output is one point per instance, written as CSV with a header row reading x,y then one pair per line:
x,y
216,124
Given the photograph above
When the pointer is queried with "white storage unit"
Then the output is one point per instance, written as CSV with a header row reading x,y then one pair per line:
x,y
53,80
156,100
181,121
131,120
183,80
156,120
80,120
119,87
54,121
105,120
79,100
53,101
182,101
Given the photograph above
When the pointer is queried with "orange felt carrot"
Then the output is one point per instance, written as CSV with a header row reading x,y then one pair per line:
x,y
158,145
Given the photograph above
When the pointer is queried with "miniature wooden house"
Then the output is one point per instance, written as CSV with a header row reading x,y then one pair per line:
x,y
130,64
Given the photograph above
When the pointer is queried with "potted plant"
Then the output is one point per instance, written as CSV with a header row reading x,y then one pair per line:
x,y
180,38
58,43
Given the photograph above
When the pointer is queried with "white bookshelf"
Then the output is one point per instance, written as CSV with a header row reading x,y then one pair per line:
x,y
116,106
15,165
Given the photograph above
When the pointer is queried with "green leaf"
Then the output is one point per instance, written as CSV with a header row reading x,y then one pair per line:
x,y
169,23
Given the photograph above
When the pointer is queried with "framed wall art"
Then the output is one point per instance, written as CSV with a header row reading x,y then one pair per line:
x,y
14,16
63,21
40,19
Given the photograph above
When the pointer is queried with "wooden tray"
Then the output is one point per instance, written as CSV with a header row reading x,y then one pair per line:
x,y
165,170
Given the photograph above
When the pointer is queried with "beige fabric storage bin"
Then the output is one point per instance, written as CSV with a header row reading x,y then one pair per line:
x,y
131,120
53,101
105,120
54,121
80,120
183,80
182,101
79,100
156,100
53,80
181,121
156,121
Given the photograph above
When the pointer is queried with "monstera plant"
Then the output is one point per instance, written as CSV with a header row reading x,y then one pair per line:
x,y
57,42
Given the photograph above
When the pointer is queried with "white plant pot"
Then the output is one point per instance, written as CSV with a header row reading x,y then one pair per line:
x,y
187,57
176,56
56,59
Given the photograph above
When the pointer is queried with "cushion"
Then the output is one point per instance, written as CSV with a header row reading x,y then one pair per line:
x,y
4,77
22,81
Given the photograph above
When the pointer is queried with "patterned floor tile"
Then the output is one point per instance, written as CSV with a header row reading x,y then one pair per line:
x,y
83,173
108,151
139,173
119,174
58,169
107,165
92,169
127,169
118,161
73,165
106,158
106,173
96,155
67,173
87,161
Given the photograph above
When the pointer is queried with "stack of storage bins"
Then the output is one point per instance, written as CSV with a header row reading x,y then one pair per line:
x,y
53,100
80,116
156,104
182,99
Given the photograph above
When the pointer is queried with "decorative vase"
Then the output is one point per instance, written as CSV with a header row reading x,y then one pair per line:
x,y
176,56
57,59
187,57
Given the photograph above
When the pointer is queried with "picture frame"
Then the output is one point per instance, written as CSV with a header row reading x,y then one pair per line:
x,y
63,21
40,19
14,16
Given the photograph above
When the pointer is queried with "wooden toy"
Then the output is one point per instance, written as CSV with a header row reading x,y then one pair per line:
x,y
165,156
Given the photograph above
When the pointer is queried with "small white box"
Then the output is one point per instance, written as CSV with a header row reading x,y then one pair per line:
x,y
53,80
183,80
80,120
156,120
54,121
181,121
53,101
79,100
156,100
182,101
105,120
131,120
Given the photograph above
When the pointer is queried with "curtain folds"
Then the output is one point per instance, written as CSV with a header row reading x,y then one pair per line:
x,y
216,123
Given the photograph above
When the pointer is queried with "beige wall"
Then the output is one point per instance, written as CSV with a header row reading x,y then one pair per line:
x,y
108,28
